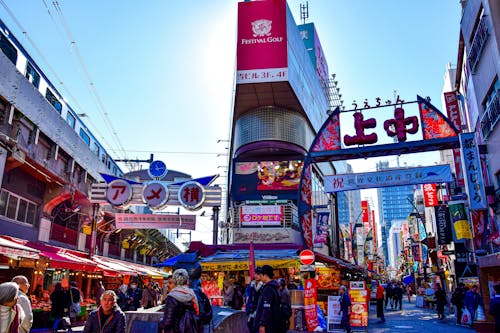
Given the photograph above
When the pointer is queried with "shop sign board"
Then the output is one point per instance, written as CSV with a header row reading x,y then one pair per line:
x,y
386,178
307,257
261,215
334,315
119,192
155,195
310,294
191,195
307,268
473,173
154,221
359,299
430,195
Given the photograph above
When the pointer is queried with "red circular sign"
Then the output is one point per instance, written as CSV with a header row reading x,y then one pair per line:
x,y
306,257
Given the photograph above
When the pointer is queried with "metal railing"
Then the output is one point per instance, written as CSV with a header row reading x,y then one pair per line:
x,y
477,45
490,116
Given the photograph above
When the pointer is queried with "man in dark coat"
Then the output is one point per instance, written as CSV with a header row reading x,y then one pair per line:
x,y
441,301
108,318
345,309
252,295
495,307
268,306
457,299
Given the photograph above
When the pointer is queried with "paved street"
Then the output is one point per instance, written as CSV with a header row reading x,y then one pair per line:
x,y
412,319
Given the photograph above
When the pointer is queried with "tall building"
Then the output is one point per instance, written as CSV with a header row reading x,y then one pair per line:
x,y
392,206
282,96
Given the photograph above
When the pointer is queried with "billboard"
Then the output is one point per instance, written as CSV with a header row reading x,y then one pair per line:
x,y
252,180
397,177
261,215
310,37
262,42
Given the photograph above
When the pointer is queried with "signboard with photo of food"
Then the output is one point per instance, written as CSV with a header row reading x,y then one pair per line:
x,y
359,299
328,278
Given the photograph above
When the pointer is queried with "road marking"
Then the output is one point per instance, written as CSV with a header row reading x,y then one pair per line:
x,y
403,326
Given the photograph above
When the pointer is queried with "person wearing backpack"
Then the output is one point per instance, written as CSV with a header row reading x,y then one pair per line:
x,y
268,306
181,307
204,305
285,304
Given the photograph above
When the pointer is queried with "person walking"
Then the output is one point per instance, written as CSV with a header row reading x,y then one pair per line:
x,y
409,292
60,302
388,295
495,307
11,313
285,304
380,302
24,302
457,299
108,318
149,297
180,300
268,306
397,295
472,299
75,297
345,309
440,296
252,294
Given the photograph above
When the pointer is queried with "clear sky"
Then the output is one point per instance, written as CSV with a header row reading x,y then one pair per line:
x,y
164,69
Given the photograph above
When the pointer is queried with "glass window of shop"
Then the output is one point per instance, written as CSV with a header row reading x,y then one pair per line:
x,y
17,208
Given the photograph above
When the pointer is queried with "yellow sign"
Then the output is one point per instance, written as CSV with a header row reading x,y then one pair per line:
x,y
223,266
462,229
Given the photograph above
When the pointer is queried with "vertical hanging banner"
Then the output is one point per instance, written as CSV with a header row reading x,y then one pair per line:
x,y
472,172
459,219
430,195
310,290
443,224
453,113
321,228
364,210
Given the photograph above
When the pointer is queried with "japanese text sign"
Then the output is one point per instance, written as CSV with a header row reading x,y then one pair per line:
x,y
191,195
397,177
155,195
261,215
430,195
119,192
154,221
443,224
472,172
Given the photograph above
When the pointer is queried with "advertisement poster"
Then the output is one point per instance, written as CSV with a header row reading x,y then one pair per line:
x,y
359,299
443,224
321,230
328,278
334,315
261,215
459,219
310,287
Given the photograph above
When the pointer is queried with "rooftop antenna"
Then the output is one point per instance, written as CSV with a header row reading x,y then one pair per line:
x,y
304,12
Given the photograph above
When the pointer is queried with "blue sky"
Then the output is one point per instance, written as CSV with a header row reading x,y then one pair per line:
x,y
164,69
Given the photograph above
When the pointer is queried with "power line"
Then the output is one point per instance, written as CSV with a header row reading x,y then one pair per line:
x,y
172,152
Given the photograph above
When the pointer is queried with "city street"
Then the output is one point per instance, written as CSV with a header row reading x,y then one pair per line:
x,y
412,319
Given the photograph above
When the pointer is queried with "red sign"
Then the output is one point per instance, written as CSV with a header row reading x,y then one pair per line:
x,y
364,209
453,113
310,289
430,195
306,257
262,41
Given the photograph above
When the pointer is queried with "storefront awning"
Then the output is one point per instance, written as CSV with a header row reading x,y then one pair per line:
x,y
113,267
149,271
15,250
61,258
239,260
336,261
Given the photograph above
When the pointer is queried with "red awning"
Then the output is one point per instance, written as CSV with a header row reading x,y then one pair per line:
x,y
62,258
113,267
14,248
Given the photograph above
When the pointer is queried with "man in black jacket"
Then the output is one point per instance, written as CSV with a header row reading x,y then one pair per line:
x,y
268,306
457,299
108,318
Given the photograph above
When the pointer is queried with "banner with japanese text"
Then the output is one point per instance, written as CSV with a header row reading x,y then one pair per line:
x,y
154,221
359,299
430,195
261,215
453,113
473,174
386,178
310,294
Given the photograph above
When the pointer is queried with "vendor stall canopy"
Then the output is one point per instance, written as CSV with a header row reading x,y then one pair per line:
x,y
239,260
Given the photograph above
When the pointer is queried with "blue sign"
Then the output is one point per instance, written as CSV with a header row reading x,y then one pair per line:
x,y
157,169
472,172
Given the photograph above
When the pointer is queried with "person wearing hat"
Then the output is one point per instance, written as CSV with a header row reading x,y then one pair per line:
x,y
252,294
268,306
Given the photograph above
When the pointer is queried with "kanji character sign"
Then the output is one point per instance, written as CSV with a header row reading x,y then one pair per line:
x,y
191,195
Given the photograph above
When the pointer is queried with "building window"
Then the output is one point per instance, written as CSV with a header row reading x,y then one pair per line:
x,y
8,49
95,149
70,119
53,100
85,136
478,40
17,208
32,75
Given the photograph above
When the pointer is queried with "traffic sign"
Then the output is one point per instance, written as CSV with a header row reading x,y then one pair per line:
x,y
306,257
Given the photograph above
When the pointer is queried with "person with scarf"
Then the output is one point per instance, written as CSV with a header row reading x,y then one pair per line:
x,y
179,300
108,318
24,301
11,313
